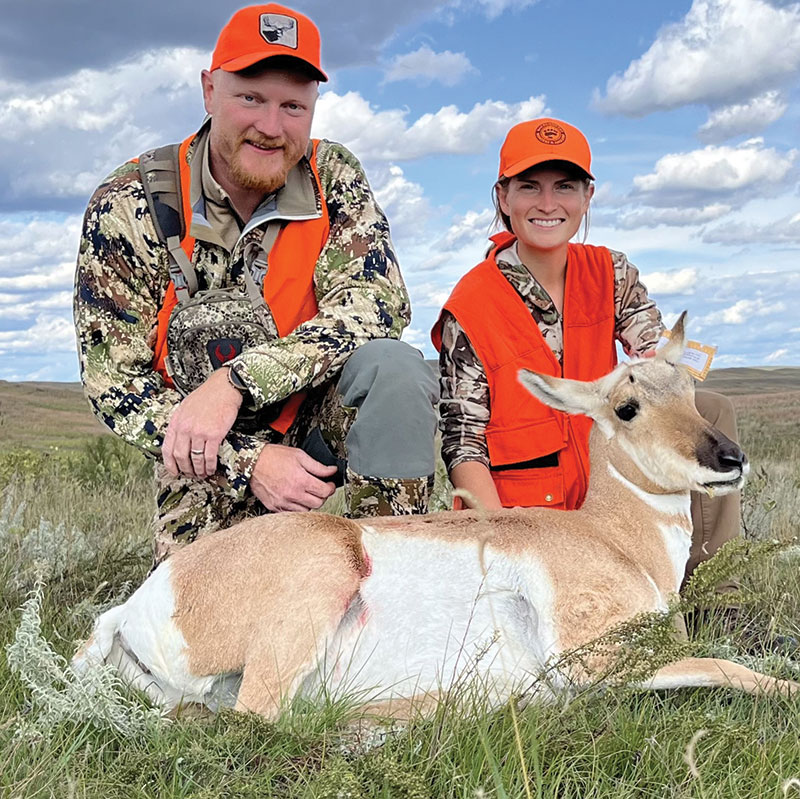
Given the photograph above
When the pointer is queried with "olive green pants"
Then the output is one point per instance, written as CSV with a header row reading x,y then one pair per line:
x,y
715,520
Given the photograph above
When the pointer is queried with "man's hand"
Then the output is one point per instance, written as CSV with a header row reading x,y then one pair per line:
x,y
286,478
198,426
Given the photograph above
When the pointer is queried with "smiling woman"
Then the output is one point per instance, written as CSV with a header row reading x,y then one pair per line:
x,y
540,302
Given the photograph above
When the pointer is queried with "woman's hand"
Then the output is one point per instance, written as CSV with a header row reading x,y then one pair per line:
x,y
476,478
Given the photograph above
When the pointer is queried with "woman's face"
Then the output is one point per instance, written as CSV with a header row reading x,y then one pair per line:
x,y
545,206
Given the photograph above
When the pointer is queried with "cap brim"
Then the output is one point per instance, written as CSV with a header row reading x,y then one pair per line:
x,y
527,163
244,61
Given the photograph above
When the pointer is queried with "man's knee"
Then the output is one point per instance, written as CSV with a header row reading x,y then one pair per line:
x,y
395,393
387,365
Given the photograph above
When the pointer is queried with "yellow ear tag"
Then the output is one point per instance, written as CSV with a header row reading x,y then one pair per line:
x,y
696,357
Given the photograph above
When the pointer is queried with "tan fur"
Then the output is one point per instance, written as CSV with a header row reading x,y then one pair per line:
x,y
297,578
265,597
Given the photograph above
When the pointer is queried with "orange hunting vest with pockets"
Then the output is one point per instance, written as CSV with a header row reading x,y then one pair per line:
x,y
288,284
506,338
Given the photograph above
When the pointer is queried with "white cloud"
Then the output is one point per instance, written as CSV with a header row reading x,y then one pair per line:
x,y
742,312
783,231
47,334
493,8
427,66
402,200
37,253
68,132
471,227
683,281
722,51
778,355
716,171
673,217
743,118
386,135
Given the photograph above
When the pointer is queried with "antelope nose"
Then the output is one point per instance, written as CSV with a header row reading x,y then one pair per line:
x,y
731,456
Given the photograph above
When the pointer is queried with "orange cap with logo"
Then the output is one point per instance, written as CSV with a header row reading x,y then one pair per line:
x,y
258,32
540,140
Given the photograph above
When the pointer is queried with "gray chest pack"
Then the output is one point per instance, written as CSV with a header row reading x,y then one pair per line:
x,y
208,327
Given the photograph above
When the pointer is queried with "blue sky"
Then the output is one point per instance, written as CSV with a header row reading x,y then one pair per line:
x,y
691,109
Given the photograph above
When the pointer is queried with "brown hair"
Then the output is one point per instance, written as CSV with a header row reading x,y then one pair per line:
x,y
574,172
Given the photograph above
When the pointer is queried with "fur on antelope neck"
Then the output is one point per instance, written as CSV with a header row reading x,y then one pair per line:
x,y
615,479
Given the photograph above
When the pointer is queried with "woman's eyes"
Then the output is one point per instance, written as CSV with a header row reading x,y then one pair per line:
x,y
565,187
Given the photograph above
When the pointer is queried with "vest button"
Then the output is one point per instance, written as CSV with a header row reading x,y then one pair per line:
x,y
548,497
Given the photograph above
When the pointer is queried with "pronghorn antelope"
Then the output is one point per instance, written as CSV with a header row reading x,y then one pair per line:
x,y
399,609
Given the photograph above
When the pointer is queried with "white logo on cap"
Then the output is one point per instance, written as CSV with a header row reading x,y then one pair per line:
x,y
279,29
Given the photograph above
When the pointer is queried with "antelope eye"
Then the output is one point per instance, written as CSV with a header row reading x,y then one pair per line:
x,y
627,411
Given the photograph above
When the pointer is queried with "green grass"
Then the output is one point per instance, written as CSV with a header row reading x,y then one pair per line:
x,y
96,501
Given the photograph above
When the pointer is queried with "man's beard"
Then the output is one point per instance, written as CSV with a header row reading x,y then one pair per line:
x,y
265,183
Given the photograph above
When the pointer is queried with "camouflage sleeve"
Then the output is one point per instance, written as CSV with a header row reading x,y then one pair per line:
x,y
464,404
359,289
638,320
120,282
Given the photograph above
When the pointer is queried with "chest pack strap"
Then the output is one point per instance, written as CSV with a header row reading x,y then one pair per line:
x,y
160,173
159,170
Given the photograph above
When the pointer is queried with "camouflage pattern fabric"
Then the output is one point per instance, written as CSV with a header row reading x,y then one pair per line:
x,y
188,508
231,316
465,407
385,496
122,276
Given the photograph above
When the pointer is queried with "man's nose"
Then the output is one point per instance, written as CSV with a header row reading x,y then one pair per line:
x,y
267,121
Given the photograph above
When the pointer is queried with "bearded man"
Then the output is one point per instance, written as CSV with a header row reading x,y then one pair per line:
x,y
238,306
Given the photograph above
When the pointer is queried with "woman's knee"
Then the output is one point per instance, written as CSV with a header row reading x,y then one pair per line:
x,y
717,409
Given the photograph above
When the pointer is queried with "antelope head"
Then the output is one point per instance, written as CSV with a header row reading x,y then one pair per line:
x,y
646,407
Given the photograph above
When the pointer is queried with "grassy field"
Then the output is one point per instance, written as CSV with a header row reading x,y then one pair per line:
x,y
78,515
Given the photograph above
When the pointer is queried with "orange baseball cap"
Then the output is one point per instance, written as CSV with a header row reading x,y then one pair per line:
x,y
540,140
258,32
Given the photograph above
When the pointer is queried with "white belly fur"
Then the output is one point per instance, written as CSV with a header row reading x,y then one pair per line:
x,y
429,619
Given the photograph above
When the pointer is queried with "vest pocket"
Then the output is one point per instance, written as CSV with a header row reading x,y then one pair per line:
x,y
525,442
531,488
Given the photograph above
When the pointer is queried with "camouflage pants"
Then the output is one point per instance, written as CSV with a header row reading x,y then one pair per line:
x,y
378,416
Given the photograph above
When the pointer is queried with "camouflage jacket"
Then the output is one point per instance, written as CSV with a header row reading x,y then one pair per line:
x,y
464,408
122,276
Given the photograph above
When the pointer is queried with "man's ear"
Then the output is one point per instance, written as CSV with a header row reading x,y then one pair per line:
x,y
207,82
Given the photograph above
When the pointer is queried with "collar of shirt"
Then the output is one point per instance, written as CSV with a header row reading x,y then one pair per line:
x,y
214,218
524,283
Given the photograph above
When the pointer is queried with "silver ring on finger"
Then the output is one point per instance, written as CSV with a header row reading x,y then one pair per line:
x,y
197,452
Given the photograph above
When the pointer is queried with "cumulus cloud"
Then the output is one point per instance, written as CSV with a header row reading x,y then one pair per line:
x,y
470,227
716,171
55,37
783,231
721,52
743,118
402,200
47,334
493,8
672,217
743,311
386,135
778,355
426,66
69,132
682,281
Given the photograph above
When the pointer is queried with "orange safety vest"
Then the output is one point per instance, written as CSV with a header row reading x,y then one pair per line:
x,y
506,338
288,284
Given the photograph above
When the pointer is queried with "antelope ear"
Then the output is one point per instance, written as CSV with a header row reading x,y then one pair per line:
x,y
671,352
570,396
